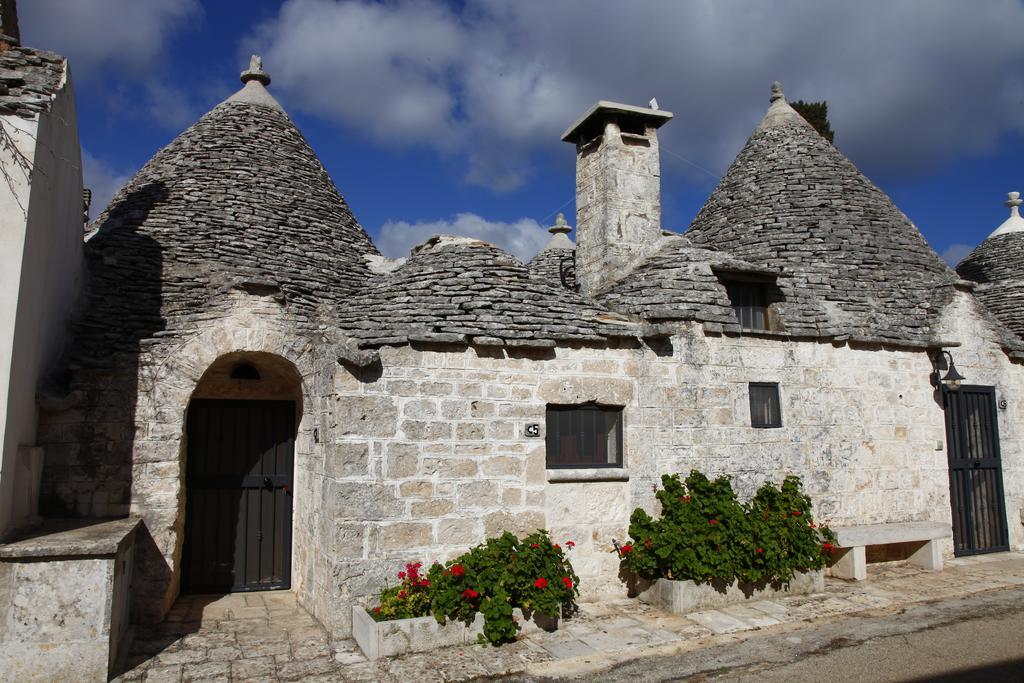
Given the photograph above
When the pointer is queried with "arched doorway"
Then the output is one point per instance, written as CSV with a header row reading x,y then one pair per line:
x,y
240,436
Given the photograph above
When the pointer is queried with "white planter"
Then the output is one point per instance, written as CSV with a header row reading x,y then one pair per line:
x,y
681,597
402,636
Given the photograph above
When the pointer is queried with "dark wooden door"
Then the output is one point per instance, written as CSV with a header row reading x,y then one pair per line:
x,y
238,517
975,471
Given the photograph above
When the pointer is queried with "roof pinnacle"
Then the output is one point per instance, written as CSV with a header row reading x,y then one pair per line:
x,y
255,71
777,93
1013,202
560,227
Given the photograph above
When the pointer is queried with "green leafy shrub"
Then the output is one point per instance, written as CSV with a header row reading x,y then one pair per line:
x,y
410,598
705,534
499,575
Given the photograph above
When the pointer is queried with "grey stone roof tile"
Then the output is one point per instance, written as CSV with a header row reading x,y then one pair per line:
x,y
461,290
858,266
237,201
29,79
997,265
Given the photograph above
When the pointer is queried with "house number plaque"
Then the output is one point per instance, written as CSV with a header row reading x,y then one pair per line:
x,y
533,429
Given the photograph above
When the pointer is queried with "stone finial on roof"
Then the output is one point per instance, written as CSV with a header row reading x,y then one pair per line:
x,y
255,71
1015,223
777,93
560,227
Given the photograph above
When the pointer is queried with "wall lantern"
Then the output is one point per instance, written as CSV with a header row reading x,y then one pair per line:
x,y
952,379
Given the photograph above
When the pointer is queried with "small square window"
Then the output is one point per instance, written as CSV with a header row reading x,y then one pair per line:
x,y
584,436
765,409
750,302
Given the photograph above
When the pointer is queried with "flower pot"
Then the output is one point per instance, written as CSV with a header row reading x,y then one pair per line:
x,y
681,597
402,636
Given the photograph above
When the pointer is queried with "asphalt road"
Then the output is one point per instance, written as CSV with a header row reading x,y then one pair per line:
x,y
974,638
984,649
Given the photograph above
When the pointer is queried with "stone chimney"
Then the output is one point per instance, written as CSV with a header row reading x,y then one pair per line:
x,y
618,191
9,33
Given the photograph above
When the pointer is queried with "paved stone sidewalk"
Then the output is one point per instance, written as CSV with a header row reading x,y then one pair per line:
x,y
267,636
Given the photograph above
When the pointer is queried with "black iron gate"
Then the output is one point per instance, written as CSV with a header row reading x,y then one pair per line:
x,y
238,522
975,471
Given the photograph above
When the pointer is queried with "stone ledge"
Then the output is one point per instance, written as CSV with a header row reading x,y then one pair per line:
x,y
587,474
72,538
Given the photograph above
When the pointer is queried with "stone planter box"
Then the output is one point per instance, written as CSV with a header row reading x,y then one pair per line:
x,y
681,597
403,636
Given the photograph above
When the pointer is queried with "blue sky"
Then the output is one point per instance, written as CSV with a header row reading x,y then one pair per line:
x,y
445,117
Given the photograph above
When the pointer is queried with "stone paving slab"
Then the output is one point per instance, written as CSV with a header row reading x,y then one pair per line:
x,y
269,637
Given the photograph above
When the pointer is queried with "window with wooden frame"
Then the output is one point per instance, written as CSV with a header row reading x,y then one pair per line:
x,y
584,436
765,407
750,302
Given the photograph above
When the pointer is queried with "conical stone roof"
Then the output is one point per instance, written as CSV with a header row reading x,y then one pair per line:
x,y
460,290
238,201
792,201
997,264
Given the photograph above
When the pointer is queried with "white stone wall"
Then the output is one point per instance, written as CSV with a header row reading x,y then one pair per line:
x,y
41,232
428,455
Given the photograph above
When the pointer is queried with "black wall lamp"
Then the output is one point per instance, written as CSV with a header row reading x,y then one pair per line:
x,y
952,379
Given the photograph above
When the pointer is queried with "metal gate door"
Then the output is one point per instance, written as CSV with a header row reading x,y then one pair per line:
x,y
975,471
238,520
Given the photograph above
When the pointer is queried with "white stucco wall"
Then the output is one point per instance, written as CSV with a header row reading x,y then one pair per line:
x,y
40,273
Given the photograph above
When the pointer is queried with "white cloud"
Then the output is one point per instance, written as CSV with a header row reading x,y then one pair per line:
x,y
955,253
103,180
524,237
908,84
382,68
125,34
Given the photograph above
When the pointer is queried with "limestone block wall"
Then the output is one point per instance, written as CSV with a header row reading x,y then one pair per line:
x,y
428,454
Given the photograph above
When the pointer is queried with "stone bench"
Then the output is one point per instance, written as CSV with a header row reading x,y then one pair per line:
x,y
853,540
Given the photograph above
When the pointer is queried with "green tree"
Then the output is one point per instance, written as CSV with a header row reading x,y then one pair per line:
x,y
816,114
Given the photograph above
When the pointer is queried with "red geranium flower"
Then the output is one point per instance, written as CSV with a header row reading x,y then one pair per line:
x,y
627,549
540,583
558,547
797,513
424,583
469,594
570,545
760,550
456,570
567,581
648,542
685,499
376,610
401,575
827,547
401,595
535,545
712,522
